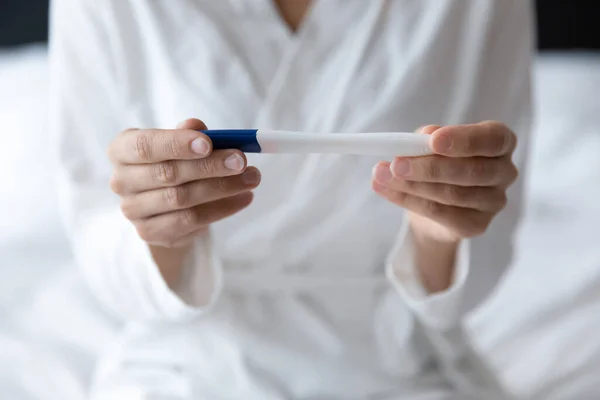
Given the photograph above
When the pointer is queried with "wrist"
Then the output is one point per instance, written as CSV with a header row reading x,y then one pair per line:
x,y
170,262
434,258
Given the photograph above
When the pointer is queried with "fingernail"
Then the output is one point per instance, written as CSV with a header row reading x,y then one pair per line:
x,y
234,162
200,146
382,174
250,177
400,167
181,124
442,144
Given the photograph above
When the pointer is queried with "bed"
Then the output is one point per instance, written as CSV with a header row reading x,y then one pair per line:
x,y
541,328
51,329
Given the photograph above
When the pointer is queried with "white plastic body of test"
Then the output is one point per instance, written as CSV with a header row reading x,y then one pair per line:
x,y
400,144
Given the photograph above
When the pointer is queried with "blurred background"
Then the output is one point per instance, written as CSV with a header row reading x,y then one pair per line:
x,y
51,329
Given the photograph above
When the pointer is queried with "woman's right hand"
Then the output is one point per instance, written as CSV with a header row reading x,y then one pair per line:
x,y
173,186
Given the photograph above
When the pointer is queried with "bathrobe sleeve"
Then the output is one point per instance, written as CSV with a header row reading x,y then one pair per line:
x,y
87,112
502,93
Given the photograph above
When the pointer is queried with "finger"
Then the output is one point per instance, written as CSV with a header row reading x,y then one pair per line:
x,y
474,171
464,222
154,145
486,139
160,201
138,178
482,198
428,129
169,228
192,123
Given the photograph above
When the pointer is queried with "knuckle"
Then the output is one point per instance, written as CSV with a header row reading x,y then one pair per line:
x,y
481,195
127,209
222,184
455,194
164,172
433,170
432,208
502,201
478,170
143,148
206,167
402,185
173,146
116,184
175,197
398,198
144,232
188,218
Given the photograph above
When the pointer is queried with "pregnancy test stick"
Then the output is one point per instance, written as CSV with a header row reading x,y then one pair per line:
x,y
266,141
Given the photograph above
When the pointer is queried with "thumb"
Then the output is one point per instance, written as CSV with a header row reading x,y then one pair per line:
x,y
193,124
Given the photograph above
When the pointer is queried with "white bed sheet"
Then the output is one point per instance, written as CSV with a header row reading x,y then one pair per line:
x,y
51,329
541,328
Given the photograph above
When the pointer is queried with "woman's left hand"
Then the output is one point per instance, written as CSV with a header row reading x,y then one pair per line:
x,y
456,192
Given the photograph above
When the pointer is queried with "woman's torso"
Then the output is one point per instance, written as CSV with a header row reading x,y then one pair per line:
x,y
305,311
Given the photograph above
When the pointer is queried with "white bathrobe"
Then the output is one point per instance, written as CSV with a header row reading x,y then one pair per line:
x,y
311,292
